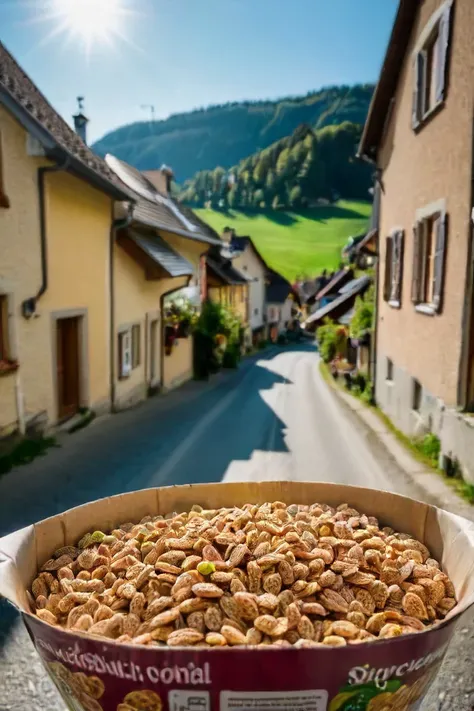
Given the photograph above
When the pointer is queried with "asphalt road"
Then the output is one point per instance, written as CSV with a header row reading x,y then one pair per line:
x,y
274,418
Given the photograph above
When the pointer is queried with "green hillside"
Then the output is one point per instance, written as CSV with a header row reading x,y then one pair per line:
x,y
297,244
293,173
224,135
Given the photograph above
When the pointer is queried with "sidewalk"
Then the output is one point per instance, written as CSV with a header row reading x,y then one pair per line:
x,y
428,480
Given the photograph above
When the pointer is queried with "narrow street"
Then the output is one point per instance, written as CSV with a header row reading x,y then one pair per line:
x,y
274,418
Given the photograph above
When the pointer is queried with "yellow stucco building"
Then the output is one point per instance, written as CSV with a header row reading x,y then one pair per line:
x,y
85,264
55,222
161,248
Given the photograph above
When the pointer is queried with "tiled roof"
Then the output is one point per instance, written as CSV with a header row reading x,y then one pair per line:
x,y
346,297
225,271
354,284
239,244
154,209
339,279
24,100
161,253
389,76
278,288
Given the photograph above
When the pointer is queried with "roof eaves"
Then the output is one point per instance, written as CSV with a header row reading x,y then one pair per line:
x,y
388,80
54,150
175,230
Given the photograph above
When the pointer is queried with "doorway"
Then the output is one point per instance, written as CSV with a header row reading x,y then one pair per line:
x,y
68,366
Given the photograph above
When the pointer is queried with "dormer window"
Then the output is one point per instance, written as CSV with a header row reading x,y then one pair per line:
x,y
430,65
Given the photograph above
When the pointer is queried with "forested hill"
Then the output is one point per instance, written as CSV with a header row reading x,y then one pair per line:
x,y
224,135
294,172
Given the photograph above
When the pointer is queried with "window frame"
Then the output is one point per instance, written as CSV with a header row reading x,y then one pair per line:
x,y
437,213
122,335
440,24
394,254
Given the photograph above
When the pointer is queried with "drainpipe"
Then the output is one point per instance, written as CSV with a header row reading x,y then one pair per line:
x,y
116,225
373,346
28,306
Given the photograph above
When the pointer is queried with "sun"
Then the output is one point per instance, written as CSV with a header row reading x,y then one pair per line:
x,y
91,22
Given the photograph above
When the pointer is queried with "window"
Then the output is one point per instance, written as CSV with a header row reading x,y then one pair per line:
x,y
135,345
417,395
430,61
389,370
429,247
394,268
4,201
255,312
125,354
4,345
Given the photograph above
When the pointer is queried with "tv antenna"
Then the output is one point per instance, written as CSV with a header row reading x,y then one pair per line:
x,y
150,108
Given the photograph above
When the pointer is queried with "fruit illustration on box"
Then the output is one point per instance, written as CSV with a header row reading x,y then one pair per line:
x,y
80,691
141,701
394,696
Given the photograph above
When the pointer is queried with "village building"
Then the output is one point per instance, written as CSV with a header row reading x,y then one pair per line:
x,y
420,136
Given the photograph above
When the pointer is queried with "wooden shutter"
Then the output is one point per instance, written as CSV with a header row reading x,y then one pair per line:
x,y
439,262
417,255
387,287
397,275
443,51
418,89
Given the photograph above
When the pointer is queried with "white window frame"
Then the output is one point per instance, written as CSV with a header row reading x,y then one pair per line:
x,y
434,209
440,19
125,353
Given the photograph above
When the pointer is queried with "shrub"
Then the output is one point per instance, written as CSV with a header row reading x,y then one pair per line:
x,y
332,340
231,357
363,318
430,446
282,339
217,330
262,345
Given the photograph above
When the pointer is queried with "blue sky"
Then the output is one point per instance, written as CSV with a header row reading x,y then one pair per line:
x,y
180,54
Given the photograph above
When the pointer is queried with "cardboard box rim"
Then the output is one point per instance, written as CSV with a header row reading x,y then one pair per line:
x,y
28,548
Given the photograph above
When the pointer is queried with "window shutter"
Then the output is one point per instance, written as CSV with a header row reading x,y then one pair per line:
x,y
416,281
443,49
418,89
398,268
387,287
439,262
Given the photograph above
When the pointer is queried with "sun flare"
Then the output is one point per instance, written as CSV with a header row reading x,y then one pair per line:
x,y
90,22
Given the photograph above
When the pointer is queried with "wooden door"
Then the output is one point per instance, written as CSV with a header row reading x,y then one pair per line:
x,y
68,367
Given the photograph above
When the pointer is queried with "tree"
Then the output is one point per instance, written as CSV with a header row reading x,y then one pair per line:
x,y
295,197
259,198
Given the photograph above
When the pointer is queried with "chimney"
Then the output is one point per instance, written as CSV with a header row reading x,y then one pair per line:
x,y
161,179
228,234
80,120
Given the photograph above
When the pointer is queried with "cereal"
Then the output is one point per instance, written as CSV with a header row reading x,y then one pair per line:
x,y
251,576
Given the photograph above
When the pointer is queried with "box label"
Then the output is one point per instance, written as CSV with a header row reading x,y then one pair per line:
x,y
274,700
189,701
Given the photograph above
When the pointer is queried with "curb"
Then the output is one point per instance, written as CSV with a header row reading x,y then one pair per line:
x,y
425,478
